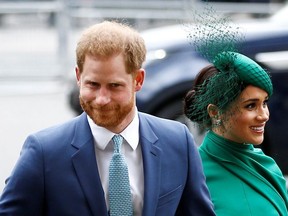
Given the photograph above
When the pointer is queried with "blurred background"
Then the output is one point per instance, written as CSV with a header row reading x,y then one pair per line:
x,y
38,40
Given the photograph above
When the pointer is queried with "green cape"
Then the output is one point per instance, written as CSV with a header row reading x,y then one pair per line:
x,y
242,180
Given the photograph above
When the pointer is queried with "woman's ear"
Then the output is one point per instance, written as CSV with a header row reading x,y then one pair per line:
x,y
215,116
213,111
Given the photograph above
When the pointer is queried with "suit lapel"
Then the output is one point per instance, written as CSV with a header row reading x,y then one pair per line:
x,y
151,162
85,165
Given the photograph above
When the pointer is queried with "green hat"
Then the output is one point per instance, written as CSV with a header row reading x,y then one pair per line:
x,y
248,70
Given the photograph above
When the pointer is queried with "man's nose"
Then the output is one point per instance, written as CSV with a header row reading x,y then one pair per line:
x,y
102,96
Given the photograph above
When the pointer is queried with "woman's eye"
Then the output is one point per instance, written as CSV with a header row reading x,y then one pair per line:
x,y
265,103
250,106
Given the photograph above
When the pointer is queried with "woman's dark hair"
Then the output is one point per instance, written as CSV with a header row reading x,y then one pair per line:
x,y
203,76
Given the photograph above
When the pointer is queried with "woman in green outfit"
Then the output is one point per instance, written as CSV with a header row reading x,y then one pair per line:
x,y
229,98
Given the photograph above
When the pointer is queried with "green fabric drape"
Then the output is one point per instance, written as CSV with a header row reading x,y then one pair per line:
x,y
242,180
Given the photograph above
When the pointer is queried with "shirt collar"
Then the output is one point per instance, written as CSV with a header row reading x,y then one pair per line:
x,y
102,136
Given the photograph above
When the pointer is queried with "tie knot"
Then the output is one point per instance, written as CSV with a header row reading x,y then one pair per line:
x,y
117,139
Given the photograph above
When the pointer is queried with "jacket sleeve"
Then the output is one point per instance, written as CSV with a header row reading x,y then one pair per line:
x,y
196,197
24,190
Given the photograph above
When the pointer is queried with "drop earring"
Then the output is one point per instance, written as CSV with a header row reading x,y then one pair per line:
x,y
218,122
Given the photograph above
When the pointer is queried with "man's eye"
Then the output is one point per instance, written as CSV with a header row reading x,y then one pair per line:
x,y
114,85
92,84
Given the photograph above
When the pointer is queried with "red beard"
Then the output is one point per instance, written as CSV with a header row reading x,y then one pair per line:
x,y
109,115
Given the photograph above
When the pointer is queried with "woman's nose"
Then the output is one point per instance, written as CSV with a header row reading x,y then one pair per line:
x,y
263,114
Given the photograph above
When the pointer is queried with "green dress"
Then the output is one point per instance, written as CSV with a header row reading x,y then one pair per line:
x,y
242,180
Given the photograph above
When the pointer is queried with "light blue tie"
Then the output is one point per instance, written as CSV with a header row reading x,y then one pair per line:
x,y
119,186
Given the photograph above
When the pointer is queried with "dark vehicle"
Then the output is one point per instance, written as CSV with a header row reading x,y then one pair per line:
x,y
172,65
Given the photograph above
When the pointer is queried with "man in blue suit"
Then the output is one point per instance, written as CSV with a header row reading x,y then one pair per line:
x,y
64,170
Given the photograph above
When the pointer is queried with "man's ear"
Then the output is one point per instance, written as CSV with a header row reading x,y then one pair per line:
x,y
213,111
139,79
78,75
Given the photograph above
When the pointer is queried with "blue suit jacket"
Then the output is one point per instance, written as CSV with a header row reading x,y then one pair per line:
x,y
57,174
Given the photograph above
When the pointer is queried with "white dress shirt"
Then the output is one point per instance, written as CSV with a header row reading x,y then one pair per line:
x,y
133,155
